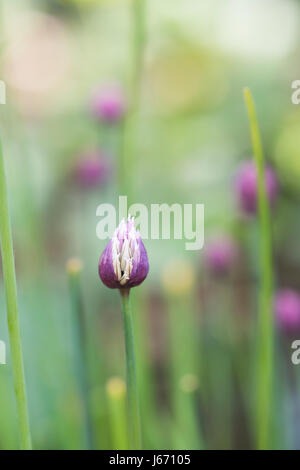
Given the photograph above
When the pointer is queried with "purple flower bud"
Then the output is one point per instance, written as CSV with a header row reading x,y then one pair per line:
x,y
221,254
124,261
287,309
92,169
109,105
246,187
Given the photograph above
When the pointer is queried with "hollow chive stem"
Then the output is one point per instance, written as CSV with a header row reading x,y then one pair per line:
x,y
132,390
152,430
139,38
116,396
183,354
9,276
265,319
74,269
128,151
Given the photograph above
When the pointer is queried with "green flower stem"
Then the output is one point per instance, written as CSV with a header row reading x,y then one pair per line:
x,y
128,151
189,422
184,354
152,428
224,326
12,311
265,319
116,396
80,347
139,40
132,390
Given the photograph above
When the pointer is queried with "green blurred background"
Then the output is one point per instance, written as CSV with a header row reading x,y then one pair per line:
x,y
191,134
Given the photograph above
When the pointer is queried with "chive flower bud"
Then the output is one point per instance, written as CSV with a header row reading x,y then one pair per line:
x,y
124,261
287,309
247,187
92,169
108,105
183,281
220,255
73,266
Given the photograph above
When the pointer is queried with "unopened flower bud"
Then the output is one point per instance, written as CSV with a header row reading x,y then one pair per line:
x,y
124,261
247,187
287,309
178,277
115,387
108,105
220,255
92,169
73,266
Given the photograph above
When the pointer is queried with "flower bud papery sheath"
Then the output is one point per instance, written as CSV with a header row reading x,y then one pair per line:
x,y
124,261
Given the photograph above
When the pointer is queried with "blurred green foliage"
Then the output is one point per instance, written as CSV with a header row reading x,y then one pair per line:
x,y
191,135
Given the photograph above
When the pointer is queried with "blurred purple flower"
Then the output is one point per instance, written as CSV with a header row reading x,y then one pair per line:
x,y
246,187
220,255
92,169
108,104
287,309
124,261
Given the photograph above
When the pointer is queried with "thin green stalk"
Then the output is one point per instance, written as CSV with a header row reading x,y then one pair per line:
x,y
265,319
191,437
128,152
152,428
79,338
132,390
220,367
139,39
12,311
183,347
116,395
184,354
